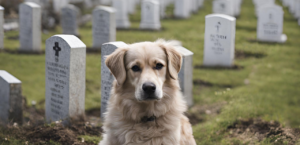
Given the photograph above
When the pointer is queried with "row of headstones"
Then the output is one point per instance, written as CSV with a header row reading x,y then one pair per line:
x,y
105,22
227,7
294,8
65,81
270,21
270,17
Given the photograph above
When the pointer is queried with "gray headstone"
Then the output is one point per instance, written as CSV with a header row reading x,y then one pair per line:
x,y
11,104
297,9
122,20
1,28
186,75
65,78
219,40
69,19
150,15
30,26
194,6
104,26
182,9
106,77
270,24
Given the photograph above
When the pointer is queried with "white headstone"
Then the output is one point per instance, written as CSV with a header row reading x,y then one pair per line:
x,y
297,9
200,3
270,24
194,6
122,20
182,9
11,103
59,4
262,3
150,15
30,26
162,8
186,75
104,26
65,78
106,77
224,7
69,19
1,28
237,7
131,6
292,7
219,40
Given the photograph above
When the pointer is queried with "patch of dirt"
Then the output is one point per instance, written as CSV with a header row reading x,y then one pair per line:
x,y
56,132
250,131
234,67
198,82
36,131
239,54
197,113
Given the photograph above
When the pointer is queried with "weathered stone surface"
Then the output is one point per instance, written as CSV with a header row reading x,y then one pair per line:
x,y
150,15
104,26
11,104
106,77
219,41
270,24
122,20
65,77
30,27
182,9
186,75
69,19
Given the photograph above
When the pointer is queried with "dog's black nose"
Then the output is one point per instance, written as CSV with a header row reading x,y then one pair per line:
x,y
149,88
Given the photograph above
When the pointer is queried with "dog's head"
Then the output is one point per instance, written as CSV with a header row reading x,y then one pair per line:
x,y
146,67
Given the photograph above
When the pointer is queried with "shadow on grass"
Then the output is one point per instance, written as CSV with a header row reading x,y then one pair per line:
x,y
21,52
240,54
233,67
203,83
142,30
251,40
247,28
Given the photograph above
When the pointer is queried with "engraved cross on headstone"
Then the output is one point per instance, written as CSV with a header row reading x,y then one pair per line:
x,y
57,49
218,26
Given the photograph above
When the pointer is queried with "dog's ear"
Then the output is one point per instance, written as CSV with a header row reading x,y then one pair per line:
x,y
115,62
173,56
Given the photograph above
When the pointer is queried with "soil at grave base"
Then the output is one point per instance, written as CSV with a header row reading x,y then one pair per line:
x,y
35,131
197,113
43,134
250,131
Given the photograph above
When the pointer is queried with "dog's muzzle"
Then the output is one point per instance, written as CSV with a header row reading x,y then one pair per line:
x,y
149,90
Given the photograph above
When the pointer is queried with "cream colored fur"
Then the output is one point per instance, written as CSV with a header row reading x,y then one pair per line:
x,y
122,124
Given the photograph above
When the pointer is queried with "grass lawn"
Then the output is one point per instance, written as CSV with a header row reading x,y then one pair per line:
x,y
265,84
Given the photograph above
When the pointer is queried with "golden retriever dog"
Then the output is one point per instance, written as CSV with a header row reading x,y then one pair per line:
x,y
146,106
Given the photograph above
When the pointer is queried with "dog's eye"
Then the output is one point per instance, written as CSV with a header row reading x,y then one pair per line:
x,y
159,66
136,68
